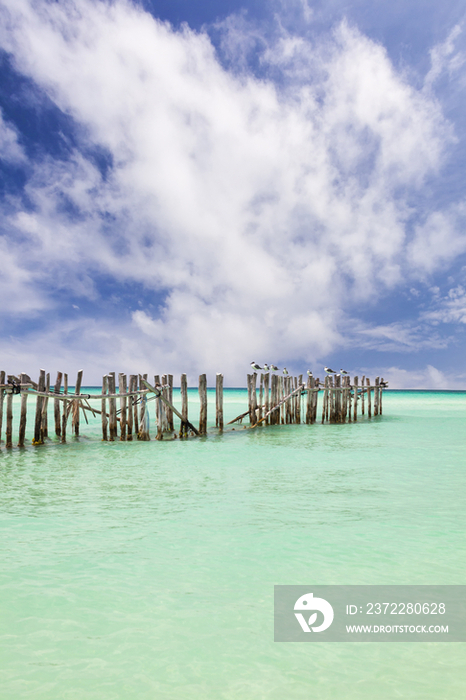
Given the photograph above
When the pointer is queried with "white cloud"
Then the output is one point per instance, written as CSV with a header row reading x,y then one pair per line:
x,y
262,212
10,149
450,308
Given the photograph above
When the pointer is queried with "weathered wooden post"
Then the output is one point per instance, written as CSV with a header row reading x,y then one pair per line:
x,y
369,405
363,391
184,406
171,425
132,386
112,421
76,405
38,437
23,416
56,404
376,396
219,401
203,404
9,419
143,433
355,415
122,390
65,410
380,395
2,396
315,399
266,396
45,405
261,397
159,408
104,408
164,407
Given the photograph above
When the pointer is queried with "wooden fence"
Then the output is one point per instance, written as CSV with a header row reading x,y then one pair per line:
x,y
124,412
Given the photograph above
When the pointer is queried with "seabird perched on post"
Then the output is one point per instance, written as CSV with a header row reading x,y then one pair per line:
x,y
254,365
285,371
274,368
329,371
266,367
343,372
309,373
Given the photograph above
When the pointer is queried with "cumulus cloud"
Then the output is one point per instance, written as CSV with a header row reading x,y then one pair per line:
x,y
260,208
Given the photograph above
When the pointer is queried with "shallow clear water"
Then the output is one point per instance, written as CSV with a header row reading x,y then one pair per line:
x,y
146,570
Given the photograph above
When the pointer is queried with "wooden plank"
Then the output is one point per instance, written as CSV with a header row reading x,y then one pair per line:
x,y
355,399
130,411
155,391
104,409
368,392
122,390
39,402
203,404
23,415
380,396
376,397
219,401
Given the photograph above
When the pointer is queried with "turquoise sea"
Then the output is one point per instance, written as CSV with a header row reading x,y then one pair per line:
x,y
145,570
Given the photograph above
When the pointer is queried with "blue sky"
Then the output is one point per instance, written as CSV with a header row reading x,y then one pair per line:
x,y
189,186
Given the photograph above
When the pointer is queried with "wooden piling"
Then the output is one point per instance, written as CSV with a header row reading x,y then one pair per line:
x,y
363,391
2,396
355,414
122,390
380,396
219,401
171,425
45,404
266,394
65,410
9,419
203,404
38,437
164,407
368,393
315,399
131,428
103,405
159,408
112,417
376,396
184,406
261,398
143,433
23,416
56,405
76,405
